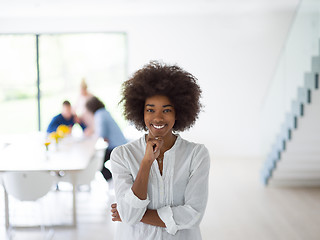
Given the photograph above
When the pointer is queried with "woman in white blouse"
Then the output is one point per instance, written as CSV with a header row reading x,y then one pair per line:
x,y
161,180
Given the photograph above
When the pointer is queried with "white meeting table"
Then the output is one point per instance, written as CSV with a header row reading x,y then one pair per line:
x,y
28,153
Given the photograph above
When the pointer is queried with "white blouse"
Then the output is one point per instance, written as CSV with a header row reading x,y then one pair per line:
x,y
179,195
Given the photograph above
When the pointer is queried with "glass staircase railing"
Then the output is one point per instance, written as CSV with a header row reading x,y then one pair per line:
x,y
296,75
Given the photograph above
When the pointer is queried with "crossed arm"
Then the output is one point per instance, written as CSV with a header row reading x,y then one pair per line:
x,y
150,217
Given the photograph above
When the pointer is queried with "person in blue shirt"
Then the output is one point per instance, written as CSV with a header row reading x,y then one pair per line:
x,y
65,117
106,128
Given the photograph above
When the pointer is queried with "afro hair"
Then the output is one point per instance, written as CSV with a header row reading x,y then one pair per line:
x,y
171,81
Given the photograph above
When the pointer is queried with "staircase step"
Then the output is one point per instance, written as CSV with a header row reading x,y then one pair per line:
x,y
310,81
303,95
296,108
315,64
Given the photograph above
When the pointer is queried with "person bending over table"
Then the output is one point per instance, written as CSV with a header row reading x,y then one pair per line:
x,y
105,127
161,179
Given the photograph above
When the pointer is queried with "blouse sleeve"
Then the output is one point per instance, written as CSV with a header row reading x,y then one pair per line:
x,y
196,195
131,209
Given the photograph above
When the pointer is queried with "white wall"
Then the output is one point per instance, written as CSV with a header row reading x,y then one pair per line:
x,y
232,51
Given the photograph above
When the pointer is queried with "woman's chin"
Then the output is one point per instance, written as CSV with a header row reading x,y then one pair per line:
x,y
154,135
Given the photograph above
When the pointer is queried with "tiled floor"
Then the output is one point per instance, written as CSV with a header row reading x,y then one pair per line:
x,y
239,208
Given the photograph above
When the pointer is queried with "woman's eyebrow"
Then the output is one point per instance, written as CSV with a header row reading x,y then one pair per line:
x,y
168,105
152,105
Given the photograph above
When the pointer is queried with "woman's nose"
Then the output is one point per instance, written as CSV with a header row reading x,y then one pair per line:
x,y
158,117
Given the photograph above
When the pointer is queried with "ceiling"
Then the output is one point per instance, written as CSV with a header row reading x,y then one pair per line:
x,y
38,8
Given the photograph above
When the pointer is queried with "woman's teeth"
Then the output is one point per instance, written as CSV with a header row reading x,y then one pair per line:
x,y
158,126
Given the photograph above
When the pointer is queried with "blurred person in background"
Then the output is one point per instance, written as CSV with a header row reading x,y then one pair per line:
x,y
79,108
66,117
106,128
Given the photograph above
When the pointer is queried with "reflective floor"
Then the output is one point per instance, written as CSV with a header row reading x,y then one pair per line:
x,y
93,216
239,208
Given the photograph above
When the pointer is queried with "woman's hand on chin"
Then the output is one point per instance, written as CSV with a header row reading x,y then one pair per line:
x,y
153,148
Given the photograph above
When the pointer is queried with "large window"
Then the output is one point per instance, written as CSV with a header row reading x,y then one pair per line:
x,y
64,60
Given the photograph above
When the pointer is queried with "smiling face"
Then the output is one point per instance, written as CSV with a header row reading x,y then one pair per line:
x,y
159,116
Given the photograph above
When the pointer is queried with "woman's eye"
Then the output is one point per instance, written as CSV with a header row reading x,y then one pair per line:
x,y
150,110
167,110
